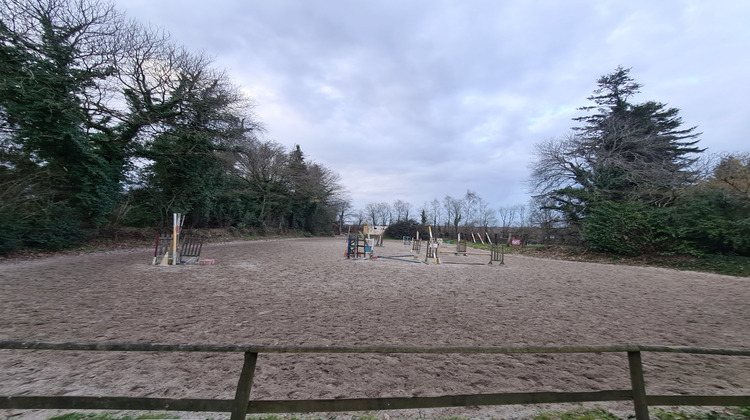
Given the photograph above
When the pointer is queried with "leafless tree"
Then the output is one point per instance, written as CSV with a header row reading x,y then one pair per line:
x,y
471,203
359,217
486,215
385,213
507,216
342,205
372,212
435,212
454,212
543,216
401,210
733,172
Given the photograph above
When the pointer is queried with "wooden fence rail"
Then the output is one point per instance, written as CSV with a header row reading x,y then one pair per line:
x,y
241,405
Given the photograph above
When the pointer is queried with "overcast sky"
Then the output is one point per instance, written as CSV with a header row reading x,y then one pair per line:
x,y
416,100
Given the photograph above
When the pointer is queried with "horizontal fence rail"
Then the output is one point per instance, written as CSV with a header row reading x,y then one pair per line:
x,y
241,405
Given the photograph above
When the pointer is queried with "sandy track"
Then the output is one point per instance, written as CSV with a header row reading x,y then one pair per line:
x,y
303,292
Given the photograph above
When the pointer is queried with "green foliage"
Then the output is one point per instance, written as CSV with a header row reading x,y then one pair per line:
x,y
405,228
736,413
627,228
619,174
107,416
577,414
90,140
156,416
91,416
722,264
714,220
11,233
57,229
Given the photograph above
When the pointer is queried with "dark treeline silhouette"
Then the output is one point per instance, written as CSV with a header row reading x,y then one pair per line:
x,y
105,122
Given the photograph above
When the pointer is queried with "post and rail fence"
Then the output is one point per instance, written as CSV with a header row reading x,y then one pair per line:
x,y
242,405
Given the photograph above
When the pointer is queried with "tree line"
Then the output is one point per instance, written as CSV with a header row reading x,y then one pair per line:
x,y
629,179
106,122
632,179
448,217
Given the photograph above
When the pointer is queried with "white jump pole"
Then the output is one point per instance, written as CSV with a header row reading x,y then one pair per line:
x,y
177,220
175,232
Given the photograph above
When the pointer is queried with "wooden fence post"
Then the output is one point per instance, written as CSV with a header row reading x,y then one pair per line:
x,y
638,385
245,384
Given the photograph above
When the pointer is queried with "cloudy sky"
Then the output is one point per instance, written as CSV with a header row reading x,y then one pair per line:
x,y
419,99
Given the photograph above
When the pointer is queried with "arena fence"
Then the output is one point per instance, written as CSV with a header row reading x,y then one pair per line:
x,y
241,405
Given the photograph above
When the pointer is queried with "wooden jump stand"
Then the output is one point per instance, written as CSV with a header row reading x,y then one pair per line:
x,y
358,247
496,254
174,249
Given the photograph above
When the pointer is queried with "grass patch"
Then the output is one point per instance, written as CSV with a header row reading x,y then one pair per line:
x,y
577,414
732,265
596,413
91,416
107,416
733,413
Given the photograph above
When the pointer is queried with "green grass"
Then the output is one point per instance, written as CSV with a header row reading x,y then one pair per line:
x,y
733,413
271,417
577,414
722,264
90,416
732,265
107,416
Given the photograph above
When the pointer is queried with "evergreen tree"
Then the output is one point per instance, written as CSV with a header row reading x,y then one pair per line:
x,y
51,58
622,153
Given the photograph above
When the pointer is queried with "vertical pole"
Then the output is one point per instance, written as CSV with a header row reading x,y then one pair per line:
x,y
174,238
638,385
245,384
156,250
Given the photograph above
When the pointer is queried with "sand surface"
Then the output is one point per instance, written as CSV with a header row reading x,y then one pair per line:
x,y
303,292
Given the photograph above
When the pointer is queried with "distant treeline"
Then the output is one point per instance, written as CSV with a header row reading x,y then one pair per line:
x,y
630,179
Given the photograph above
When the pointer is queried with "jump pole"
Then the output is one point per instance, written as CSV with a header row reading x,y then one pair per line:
x,y
156,250
177,220
433,246
175,232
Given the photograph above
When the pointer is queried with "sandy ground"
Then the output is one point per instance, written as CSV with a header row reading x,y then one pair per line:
x,y
303,292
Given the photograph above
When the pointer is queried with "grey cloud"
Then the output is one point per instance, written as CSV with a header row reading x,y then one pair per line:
x,y
441,90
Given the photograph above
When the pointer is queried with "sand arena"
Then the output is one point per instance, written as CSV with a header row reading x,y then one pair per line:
x,y
303,292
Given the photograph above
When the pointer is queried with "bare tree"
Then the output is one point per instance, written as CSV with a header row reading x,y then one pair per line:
x,y
342,207
486,215
384,212
543,216
507,216
372,212
733,172
401,210
471,204
454,209
359,217
435,212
